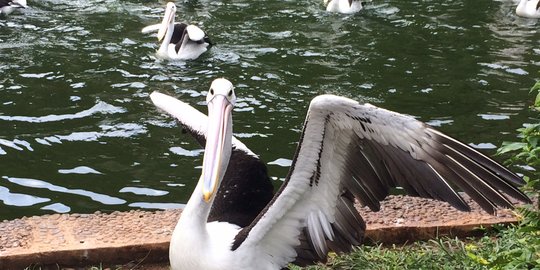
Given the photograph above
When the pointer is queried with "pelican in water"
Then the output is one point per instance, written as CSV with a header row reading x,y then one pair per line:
x,y
179,41
8,6
344,6
528,8
347,150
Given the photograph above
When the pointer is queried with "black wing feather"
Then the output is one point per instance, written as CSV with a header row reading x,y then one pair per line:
x,y
245,189
4,3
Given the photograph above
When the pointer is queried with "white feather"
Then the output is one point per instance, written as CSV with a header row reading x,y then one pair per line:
x,y
189,116
151,28
343,6
195,33
528,9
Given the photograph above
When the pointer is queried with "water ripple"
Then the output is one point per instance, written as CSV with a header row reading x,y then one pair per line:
x,y
183,152
34,183
100,108
282,162
18,199
122,130
160,206
79,170
57,207
144,191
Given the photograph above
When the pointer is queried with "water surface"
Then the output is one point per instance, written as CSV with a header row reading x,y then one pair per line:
x,y
78,132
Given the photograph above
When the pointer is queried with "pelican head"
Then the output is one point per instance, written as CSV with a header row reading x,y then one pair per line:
x,y
220,100
168,19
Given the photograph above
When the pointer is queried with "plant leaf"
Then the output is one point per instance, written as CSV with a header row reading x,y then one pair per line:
x,y
511,146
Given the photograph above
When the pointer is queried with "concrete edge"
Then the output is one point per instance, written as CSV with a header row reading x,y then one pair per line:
x,y
145,253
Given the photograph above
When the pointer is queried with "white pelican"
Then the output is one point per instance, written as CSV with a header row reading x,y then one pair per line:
x,y
528,8
180,41
347,150
8,6
344,6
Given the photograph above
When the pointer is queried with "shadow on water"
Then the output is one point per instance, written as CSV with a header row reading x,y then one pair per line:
x,y
78,132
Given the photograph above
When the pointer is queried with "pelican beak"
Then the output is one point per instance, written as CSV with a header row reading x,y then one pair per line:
x,y
214,164
167,19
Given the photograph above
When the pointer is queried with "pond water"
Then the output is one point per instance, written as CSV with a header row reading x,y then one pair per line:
x,y
78,132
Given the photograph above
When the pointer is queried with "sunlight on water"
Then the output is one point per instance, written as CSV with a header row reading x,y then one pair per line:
x,y
18,199
79,170
100,107
144,191
39,184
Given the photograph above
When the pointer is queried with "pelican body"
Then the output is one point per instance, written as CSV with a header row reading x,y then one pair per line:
x,y
179,41
344,6
346,151
528,8
8,6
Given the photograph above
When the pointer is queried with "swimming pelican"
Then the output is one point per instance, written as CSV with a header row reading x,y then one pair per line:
x,y
8,6
528,8
346,150
344,6
180,41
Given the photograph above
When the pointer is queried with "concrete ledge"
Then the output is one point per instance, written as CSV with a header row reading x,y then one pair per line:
x,y
123,237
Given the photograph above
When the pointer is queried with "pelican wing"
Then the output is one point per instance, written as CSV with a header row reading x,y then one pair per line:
x,y
348,149
178,32
148,29
191,119
246,188
195,33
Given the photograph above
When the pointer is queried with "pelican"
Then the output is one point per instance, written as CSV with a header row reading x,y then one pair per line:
x,y
344,6
528,8
8,6
179,41
346,150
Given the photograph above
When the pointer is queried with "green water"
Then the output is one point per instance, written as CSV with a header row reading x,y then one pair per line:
x,y
78,132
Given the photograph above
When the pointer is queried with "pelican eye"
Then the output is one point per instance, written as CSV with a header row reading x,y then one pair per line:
x,y
211,91
230,93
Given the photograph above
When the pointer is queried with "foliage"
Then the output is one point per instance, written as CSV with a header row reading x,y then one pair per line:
x,y
527,151
536,87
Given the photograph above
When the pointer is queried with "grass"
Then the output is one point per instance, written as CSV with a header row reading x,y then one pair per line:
x,y
506,248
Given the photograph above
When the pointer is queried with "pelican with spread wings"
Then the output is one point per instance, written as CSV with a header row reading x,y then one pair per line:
x,y
346,151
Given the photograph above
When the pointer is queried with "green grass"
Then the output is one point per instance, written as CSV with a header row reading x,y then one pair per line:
x,y
515,247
